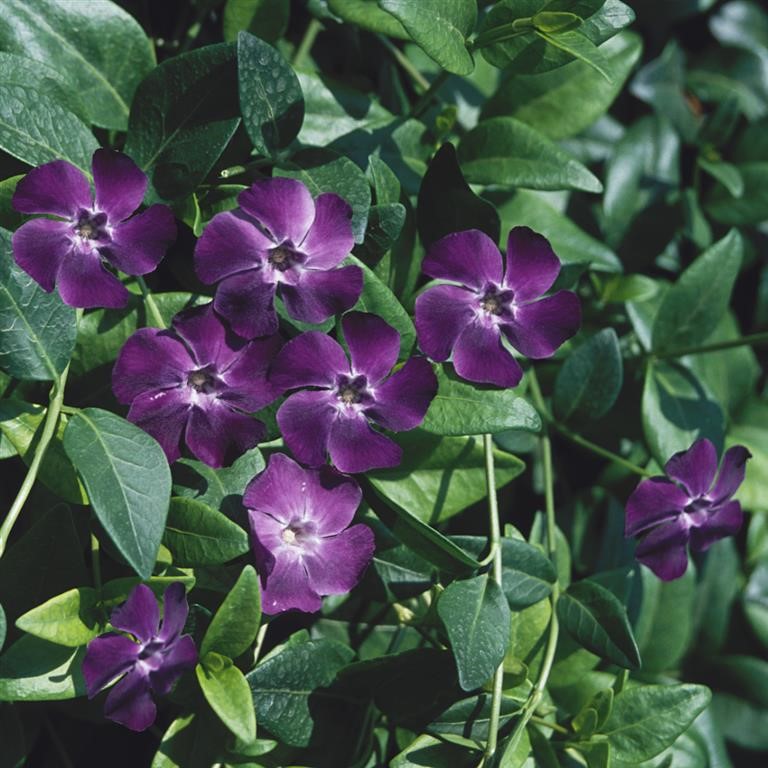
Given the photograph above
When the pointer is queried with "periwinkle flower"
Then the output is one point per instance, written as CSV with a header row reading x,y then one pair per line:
x,y
690,505
282,241
489,303
149,659
303,543
74,250
197,382
336,416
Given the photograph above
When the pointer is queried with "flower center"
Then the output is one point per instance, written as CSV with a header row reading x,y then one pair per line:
x,y
495,301
698,510
202,380
297,533
283,258
352,390
91,226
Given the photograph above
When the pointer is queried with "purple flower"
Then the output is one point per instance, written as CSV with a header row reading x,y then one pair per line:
x,y
301,541
491,304
74,250
692,506
279,240
197,381
336,416
149,659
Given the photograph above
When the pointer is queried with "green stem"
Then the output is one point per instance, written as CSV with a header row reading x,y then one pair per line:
x,y
425,100
305,46
546,724
743,341
259,642
405,63
151,305
495,546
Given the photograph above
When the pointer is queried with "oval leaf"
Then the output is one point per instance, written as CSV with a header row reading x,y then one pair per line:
x,y
227,691
68,619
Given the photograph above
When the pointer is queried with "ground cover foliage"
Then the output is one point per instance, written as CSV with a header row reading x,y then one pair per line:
x,y
467,595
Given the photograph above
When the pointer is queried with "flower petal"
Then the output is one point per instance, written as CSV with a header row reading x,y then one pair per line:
x,y
151,359
230,243
305,420
480,356
403,399
442,313
338,562
175,611
181,656
317,295
311,359
138,615
532,266
694,468
209,339
40,246
120,184
130,704
287,587
162,414
470,258
139,244
721,522
653,501
106,658
58,188
540,327
355,447
330,238
373,344
731,475
248,303
250,389
84,282
663,550
284,207
217,435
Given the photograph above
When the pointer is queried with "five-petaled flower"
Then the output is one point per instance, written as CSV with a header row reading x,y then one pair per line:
x,y
198,381
279,240
491,304
149,661
74,250
692,506
335,418
303,546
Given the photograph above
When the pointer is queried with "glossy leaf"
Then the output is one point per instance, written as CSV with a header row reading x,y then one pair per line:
x,y
471,717
368,15
267,18
68,619
226,690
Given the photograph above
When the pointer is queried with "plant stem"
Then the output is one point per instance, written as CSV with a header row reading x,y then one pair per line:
x,y
149,302
743,341
546,724
495,545
95,563
305,46
405,63
424,101
259,642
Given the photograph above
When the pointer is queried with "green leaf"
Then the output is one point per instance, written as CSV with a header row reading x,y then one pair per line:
x,y
471,717
437,753
505,151
192,741
440,28
323,170
368,15
598,621
463,409
588,384
10,219
748,207
68,619
128,481
692,308
476,617
268,18
79,42
270,95
283,684
742,723
447,204
234,626
578,45
647,719
22,424
182,117
553,102
39,330
726,173
197,534
226,690
36,670
440,476
678,409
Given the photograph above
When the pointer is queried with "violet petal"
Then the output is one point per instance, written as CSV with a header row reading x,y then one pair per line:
x,y
532,266
663,550
731,475
106,658
248,303
58,188
355,447
305,420
339,561
139,244
175,612
120,184
250,389
130,703
40,246
179,657
694,468
284,207
84,282
138,615
479,356
373,344
442,313
317,295
287,586
162,414
311,359
653,501
217,435
330,238
540,327
470,258
721,522
403,399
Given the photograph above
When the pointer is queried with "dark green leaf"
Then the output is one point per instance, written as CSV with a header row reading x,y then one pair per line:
x,y
39,330
598,621
128,481
270,95
590,381
726,173
742,723
192,741
527,574
746,208
385,222
227,691
368,15
476,617
68,619
182,117
470,718
437,753
505,151
267,18
197,534
234,626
